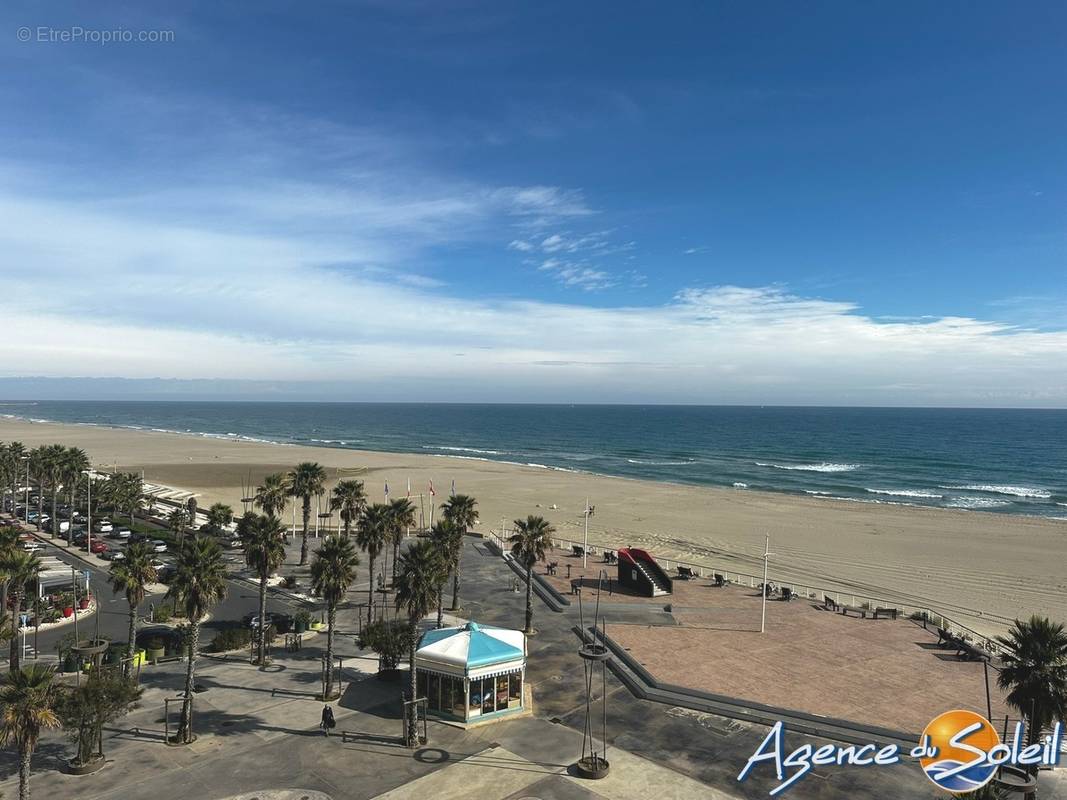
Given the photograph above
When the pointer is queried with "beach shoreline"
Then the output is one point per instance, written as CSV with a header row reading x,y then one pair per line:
x,y
981,568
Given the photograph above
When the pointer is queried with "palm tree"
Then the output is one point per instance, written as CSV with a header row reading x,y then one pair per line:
x,y
447,540
272,495
27,699
178,519
401,518
370,535
417,582
52,466
199,583
305,481
349,498
9,547
75,463
38,475
532,537
131,577
460,509
219,516
261,536
23,568
332,572
1035,672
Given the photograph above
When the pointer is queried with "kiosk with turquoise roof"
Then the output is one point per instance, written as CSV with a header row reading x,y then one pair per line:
x,y
471,673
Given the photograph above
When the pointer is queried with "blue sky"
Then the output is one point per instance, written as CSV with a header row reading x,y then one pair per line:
x,y
688,202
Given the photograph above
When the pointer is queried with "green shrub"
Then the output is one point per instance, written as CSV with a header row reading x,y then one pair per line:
x,y
302,617
387,638
161,613
232,639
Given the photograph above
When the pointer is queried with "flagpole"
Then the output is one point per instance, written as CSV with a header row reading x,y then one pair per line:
x,y
766,556
585,547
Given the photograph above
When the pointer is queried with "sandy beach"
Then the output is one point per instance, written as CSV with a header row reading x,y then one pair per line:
x,y
979,568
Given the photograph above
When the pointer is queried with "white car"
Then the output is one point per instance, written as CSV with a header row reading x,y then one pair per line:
x,y
103,526
159,546
121,533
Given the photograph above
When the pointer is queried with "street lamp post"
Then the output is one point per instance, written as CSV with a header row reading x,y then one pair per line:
x,y
585,548
766,557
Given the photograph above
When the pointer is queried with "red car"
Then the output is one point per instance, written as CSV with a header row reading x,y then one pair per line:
x,y
98,547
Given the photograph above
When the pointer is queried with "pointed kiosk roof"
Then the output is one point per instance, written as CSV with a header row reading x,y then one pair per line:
x,y
471,650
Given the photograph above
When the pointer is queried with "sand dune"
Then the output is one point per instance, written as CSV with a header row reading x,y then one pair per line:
x,y
980,568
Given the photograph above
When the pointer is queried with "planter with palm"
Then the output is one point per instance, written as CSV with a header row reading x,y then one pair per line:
x,y
131,577
261,536
199,583
219,515
371,534
306,480
417,581
27,706
532,538
332,572
461,510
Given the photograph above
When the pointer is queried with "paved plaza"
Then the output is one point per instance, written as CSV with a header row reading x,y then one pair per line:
x,y
258,734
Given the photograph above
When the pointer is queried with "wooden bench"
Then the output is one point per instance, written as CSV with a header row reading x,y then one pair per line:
x,y
886,612
686,573
577,550
829,603
859,610
787,593
719,580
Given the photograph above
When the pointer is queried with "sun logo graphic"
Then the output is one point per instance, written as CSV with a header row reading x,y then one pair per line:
x,y
958,744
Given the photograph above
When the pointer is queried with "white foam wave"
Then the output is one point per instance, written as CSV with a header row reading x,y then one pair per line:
x,y
464,450
977,502
739,485
816,492
907,493
661,463
823,467
1014,491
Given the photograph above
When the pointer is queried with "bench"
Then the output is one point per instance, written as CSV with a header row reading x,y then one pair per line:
x,y
829,603
787,593
686,573
610,557
886,612
859,610
972,652
552,567
577,550
720,581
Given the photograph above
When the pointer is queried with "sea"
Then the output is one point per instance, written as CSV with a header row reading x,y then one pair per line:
x,y
983,460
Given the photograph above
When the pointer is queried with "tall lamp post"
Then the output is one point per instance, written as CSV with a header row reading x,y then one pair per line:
x,y
88,511
766,557
587,513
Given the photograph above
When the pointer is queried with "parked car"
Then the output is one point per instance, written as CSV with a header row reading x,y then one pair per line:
x,y
159,546
63,525
103,526
98,547
80,538
120,533
113,555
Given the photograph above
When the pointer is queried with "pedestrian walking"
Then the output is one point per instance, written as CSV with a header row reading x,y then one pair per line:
x,y
328,722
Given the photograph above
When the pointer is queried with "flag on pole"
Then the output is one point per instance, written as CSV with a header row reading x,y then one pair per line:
x,y
387,490
409,487
453,487
432,492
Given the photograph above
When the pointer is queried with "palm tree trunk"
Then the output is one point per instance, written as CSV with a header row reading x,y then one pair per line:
x,y
24,773
396,557
55,517
413,724
15,652
331,616
263,618
304,535
529,599
185,722
40,506
370,592
455,580
440,603
131,648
